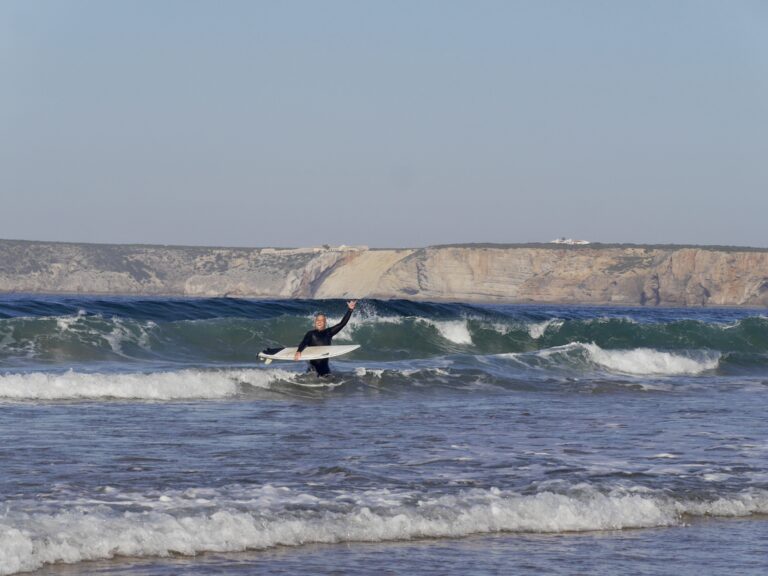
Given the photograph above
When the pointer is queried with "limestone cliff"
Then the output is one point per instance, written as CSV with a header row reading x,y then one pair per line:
x,y
594,274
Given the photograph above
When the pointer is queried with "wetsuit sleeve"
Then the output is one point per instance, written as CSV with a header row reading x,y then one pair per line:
x,y
336,329
305,341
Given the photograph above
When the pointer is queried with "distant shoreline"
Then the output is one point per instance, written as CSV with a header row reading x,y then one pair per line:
x,y
540,273
493,245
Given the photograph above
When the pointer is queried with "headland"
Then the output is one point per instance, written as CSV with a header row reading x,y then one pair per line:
x,y
593,274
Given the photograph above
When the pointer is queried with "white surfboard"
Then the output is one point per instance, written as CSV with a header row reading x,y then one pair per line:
x,y
309,353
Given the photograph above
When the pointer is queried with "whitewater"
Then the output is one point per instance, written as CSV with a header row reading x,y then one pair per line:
x,y
142,435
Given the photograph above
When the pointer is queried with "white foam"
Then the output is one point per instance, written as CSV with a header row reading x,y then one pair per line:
x,y
646,361
536,331
66,323
194,521
402,372
456,331
376,373
180,384
636,361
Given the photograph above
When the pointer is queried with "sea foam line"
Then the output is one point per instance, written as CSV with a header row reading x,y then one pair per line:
x,y
260,518
181,384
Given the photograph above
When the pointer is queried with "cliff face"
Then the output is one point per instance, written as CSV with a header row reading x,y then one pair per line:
x,y
626,275
122,269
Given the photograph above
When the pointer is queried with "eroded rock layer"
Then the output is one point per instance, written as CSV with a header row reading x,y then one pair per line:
x,y
594,274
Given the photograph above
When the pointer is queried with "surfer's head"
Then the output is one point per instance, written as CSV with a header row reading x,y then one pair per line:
x,y
319,321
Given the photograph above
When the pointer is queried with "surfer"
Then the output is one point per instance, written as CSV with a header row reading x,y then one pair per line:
x,y
321,336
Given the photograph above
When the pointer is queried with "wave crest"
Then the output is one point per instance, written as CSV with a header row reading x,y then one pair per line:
x,y
197,521
181,384
385,330
635,362
646,361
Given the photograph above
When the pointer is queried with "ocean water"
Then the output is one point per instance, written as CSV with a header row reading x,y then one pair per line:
x,y
142,436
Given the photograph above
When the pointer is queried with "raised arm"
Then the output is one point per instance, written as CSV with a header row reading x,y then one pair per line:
x,y
337,328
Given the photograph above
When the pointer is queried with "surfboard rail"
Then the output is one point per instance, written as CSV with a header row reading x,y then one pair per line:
x,y
309,353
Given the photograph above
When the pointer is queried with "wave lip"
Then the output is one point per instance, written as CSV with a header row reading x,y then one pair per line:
x,y
455,331
647,361
538,329
212,520
181,384
633,362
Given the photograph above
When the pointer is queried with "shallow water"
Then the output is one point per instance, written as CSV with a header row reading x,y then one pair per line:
x,y
142,438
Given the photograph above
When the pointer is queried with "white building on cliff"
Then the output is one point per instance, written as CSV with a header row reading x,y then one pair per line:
x,y
570,241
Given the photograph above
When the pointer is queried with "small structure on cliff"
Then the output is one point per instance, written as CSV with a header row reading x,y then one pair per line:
x,y
569,241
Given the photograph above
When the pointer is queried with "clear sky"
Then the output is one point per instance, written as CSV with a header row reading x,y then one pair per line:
x,y
388,123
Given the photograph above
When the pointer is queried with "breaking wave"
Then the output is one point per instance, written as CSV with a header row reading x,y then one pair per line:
x,y
177,385
653,362
639,361
226,332
232,519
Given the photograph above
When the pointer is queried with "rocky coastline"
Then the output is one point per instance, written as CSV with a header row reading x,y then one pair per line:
x,y
594,274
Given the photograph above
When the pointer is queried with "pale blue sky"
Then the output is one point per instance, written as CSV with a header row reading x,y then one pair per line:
x,y
390,123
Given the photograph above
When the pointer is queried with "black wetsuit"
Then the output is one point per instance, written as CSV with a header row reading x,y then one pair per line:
x,y
323,338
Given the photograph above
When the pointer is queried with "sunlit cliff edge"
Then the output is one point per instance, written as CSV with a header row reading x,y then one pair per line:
x,y
597,274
